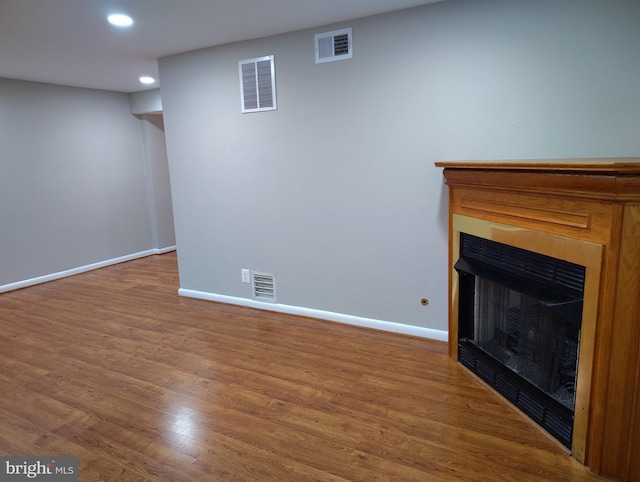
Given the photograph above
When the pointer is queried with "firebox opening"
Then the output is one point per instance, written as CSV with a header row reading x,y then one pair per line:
x,y
519,322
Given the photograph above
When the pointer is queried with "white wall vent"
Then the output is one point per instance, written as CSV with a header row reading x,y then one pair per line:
x,y
263,286
332,46
258,84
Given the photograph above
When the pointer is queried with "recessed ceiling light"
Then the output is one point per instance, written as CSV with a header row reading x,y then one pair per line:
x,y
147,80
120,20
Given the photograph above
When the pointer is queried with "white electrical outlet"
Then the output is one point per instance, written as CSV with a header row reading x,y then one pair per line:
x,y
246,275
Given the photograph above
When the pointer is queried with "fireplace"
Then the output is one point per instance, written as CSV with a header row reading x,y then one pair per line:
x,y
519,321
523,319
544,285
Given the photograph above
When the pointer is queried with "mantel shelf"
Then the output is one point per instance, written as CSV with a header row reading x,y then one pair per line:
x,y
594,179
619,165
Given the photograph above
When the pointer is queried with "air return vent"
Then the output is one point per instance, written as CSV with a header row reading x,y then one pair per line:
x,y
332,46
263,286
258,84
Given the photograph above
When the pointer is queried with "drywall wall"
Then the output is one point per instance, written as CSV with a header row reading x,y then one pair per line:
x,y
72,182
146,102
336,192
158,183
147,106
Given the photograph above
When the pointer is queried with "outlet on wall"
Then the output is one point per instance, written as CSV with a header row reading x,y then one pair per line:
x,y
246,275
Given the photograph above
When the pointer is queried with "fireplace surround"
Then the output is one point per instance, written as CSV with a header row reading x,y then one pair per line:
x,y
582,212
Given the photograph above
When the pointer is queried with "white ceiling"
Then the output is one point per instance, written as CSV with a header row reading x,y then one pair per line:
x,y
69,42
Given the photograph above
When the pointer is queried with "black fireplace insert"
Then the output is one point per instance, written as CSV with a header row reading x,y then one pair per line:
x,y
519,319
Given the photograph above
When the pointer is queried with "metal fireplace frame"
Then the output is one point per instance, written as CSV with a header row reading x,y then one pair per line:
x,y
585,253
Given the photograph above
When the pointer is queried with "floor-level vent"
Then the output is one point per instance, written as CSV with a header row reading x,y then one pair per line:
x,y
264,286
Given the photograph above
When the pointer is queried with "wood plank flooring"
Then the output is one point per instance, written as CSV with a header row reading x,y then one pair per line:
x,y
113,367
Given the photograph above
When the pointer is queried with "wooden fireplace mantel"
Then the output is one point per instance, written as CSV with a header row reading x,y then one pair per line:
x,y
595,201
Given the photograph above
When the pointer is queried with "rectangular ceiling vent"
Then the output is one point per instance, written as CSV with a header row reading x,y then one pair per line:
x,y
332,46
263,286
258,84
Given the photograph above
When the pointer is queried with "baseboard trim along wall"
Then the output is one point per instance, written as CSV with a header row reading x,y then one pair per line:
x,y
82,269
163,250
324,315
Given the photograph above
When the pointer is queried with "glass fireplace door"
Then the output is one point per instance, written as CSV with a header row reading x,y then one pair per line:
x,y
527,337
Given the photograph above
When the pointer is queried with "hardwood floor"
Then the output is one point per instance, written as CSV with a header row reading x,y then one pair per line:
x,y
112,366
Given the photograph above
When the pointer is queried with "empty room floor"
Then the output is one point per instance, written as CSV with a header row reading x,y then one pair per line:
x,y
112,366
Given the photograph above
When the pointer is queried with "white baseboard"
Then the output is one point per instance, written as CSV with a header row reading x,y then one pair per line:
x,y
82,269
164,250
429,333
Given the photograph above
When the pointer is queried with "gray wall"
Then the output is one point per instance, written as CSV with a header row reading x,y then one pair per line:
x,y
146,102
158,182
72,180
336,192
